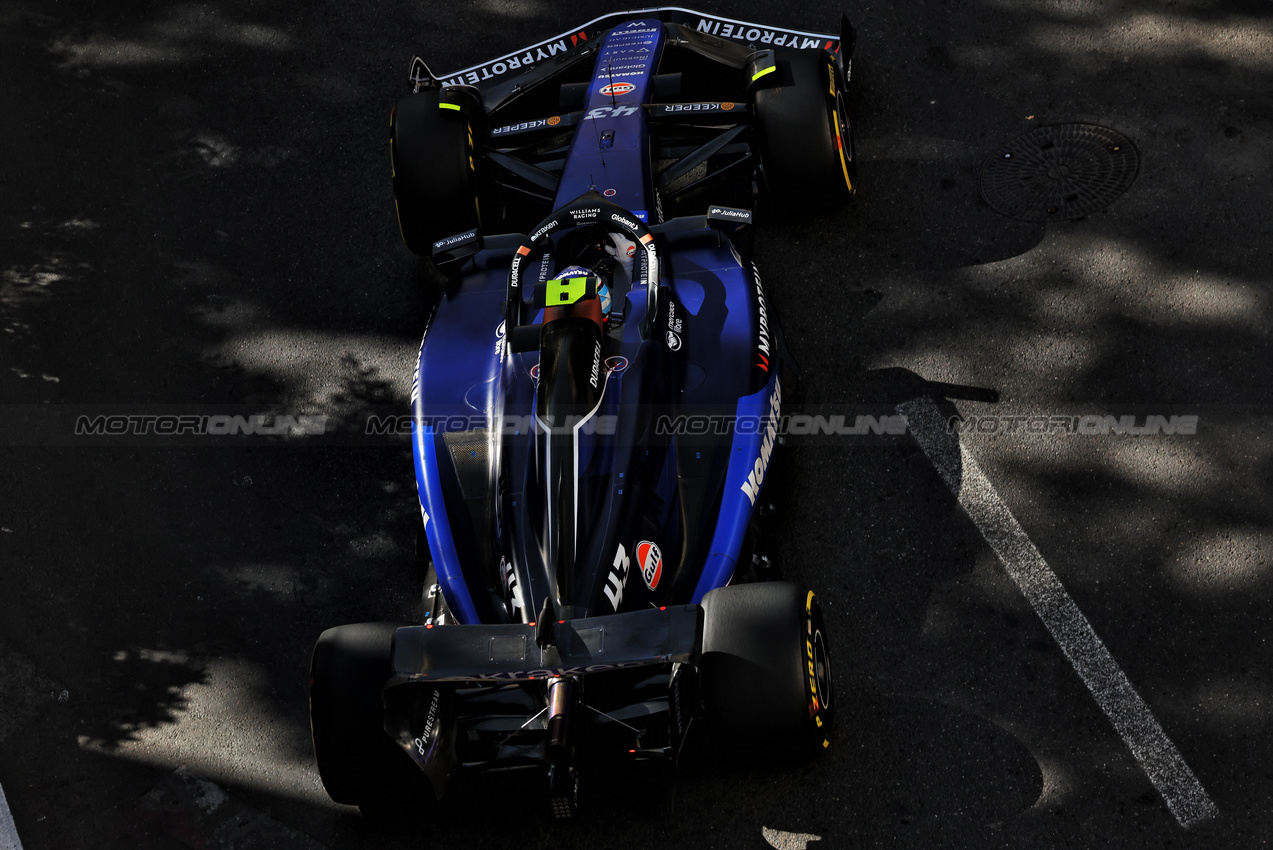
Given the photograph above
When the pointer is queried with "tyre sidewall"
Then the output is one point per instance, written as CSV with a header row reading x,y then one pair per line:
x,y
800,144
357,761
435,179
764,646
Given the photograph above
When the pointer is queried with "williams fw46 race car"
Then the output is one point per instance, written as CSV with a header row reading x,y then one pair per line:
x,y
594,411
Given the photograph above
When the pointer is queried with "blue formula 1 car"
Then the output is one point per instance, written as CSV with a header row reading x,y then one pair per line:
x,y
595,408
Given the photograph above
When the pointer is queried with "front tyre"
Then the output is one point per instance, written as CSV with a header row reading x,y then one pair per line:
x,y
435,181
805,135
767,687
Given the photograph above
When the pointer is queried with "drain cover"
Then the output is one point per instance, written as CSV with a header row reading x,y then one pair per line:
x,y
1062,171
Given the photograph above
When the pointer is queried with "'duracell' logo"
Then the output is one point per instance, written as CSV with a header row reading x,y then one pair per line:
x,y
651,561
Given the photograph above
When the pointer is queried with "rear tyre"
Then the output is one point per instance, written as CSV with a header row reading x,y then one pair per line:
x,y
767,685
435,184
358,762
805,135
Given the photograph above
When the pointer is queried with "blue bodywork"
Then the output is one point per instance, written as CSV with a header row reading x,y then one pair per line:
x,y
667,469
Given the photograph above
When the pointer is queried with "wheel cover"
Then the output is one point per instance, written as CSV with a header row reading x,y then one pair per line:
x,y
840,123
818,661
821,670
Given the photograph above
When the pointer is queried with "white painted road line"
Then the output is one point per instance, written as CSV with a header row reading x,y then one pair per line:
x,y
8,831
1132,719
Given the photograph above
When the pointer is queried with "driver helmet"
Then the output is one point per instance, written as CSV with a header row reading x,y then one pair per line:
x,y
603,291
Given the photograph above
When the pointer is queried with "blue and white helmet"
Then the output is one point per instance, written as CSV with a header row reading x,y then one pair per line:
x,y
603,291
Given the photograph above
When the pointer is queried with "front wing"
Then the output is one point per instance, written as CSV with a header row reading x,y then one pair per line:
x,y
488,75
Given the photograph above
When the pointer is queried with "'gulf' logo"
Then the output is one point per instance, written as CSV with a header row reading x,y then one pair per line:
x,y
618,88
651,561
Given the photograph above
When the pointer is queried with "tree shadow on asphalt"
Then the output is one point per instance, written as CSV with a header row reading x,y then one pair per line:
x,y
243,189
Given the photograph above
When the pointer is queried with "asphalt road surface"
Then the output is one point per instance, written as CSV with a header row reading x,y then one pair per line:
x,y
1043,637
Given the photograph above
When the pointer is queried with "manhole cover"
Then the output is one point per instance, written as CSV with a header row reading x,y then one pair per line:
x,y
1062,171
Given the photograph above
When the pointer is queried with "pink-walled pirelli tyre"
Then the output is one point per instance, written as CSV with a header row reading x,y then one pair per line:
x,y
766,671
805,134
358,762
435,181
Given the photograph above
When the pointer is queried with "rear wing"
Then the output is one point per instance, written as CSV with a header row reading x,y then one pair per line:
x,y
487,75
498,654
